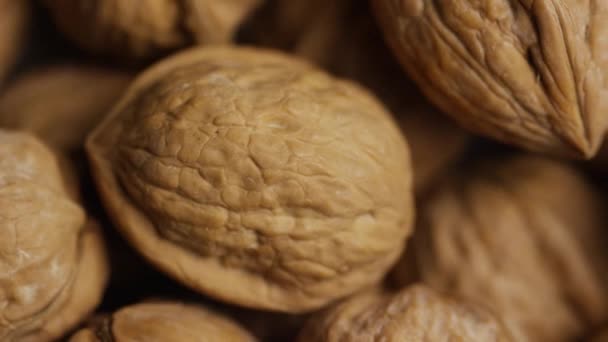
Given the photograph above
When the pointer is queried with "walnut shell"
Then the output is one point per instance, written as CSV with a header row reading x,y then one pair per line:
x,y
52,266
146,28
528,73
526,237
316,29
163,321
255,178
13,22
413,314
77,97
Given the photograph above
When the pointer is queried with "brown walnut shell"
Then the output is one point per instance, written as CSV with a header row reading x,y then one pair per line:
x,y
53,266
145,28
528,73
163,321
256,178
524,236
14,15
61,104
413,314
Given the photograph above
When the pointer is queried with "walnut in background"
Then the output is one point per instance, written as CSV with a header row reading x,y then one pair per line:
x,y
526,237
143,29
416,313
163,321
14,17
53,266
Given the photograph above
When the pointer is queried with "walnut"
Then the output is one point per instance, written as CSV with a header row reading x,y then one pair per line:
x,y
525,236
13,19
52,262
163,321
415,313
528,73
315,30
143,29
65,96
255,178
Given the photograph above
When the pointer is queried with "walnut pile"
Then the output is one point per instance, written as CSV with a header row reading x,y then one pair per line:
x,y
13,21
524,236
226,166
529,73
163,321
36,103
52,262
413,314
143,29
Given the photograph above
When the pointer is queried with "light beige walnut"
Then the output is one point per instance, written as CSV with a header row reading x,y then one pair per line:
x,y
163,321
342,37
529,73
144,29
52,262
14,15
525,236
61,104
413,314
256,178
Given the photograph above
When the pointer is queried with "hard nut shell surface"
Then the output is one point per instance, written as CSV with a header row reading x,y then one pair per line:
x,y
528,73
163,321
255,178
45,247
416,313
525,237
140,30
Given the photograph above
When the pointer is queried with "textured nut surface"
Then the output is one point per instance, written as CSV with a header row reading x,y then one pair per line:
x,y
163,321
414,314
316,29
255,178
46,254
47,102
145,28
525,237
529,73
13,19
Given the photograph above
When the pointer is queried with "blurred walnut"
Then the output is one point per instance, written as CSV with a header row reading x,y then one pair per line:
x,y
528,73
52,263
341,36
61,104
146,28
13,19
526,237
163,321
255,178
414,314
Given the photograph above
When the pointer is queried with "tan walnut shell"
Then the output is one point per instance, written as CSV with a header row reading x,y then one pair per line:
x,y
14,16
526,237
61,104
317,29
53,266
529,73
413,314
163,321
146,28
256,178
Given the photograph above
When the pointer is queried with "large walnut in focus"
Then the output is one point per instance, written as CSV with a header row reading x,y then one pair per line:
x,y
52,263
413,314
61,104
13,19
342,37
146,28
163,321
529,73
255,178
526,237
